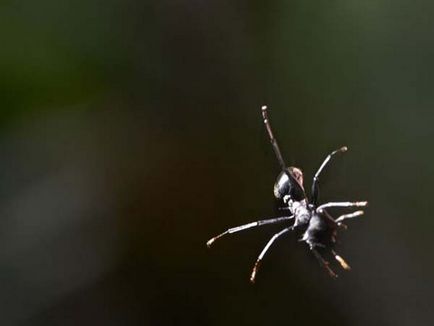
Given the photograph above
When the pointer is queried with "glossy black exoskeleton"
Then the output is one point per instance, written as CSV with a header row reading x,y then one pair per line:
x,y
319,228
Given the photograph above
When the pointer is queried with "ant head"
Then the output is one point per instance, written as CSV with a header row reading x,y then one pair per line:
x,y
290,183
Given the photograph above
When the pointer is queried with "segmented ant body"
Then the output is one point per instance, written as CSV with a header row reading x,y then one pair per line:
x,y
318,226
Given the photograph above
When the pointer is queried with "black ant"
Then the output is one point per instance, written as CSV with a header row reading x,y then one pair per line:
x,y
320,228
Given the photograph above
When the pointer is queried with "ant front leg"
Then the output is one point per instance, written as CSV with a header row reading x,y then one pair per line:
x,y
315,185
264,251
249,226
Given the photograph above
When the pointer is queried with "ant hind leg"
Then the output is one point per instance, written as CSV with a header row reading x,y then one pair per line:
x,y
341,261
324,263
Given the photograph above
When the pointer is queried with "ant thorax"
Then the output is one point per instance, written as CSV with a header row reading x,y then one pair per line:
x,y
299,209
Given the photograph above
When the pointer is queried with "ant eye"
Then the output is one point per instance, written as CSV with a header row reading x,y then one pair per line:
x,y
282,186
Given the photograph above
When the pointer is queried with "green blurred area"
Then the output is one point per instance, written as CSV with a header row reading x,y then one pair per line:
x,y
58,54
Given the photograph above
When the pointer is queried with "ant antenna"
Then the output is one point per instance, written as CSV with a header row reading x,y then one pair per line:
x,y
272,139
343,149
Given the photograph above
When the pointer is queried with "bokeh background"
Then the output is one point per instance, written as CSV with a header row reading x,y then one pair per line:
x,y
130,133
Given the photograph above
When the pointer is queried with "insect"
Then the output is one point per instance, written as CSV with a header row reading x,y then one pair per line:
x,y
318,227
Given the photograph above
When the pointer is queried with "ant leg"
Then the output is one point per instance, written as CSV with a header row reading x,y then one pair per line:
x,y
342,204
341,261
324,263
249,226
329,217
348,216
338,221
264,251
315,186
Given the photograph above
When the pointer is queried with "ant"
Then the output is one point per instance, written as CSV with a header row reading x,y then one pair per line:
x,y
318,226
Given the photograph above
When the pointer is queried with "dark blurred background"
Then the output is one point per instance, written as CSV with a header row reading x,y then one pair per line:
x,y
130,133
